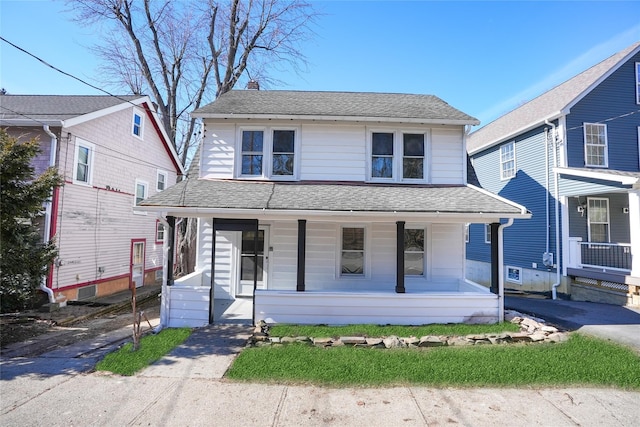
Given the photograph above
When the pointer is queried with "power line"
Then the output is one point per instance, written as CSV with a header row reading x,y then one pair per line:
x,y
621,116
76,78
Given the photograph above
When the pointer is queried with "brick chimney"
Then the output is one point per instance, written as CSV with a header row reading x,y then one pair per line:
x,y
254,85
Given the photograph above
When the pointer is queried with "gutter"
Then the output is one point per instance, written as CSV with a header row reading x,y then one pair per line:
x,y
48,213
554,287
501,228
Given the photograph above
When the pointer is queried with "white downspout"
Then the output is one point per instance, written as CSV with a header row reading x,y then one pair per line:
x,y
554,287
546,164
164,300
501,228
47,214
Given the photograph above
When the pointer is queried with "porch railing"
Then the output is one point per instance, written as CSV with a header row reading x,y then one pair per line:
x,y
612,256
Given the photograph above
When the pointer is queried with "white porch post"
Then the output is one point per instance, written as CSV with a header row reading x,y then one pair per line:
x,y
634,229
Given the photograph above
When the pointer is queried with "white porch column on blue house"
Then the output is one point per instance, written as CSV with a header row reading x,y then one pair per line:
x,y
634,231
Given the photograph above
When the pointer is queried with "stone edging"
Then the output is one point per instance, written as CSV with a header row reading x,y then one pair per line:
x,y
532,330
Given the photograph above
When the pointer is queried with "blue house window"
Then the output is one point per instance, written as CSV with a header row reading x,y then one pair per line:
x,y
595,144
508,161
637,82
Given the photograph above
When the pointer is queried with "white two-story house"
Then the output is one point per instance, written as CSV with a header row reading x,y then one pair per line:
x,y
333,208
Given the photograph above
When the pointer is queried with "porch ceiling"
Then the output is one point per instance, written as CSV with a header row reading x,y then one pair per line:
x,y
205,196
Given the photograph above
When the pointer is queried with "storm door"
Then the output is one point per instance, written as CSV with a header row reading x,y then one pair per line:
x,y
249,262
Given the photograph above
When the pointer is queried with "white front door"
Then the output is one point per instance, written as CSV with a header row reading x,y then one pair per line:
x,y
137,263
247,264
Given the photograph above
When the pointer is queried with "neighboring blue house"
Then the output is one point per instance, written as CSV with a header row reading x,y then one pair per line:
x,y
572,156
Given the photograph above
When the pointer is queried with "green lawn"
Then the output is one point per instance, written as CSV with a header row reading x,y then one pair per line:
x,y
125,361
580,361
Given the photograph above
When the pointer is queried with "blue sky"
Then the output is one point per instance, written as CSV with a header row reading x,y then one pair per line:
x,y
484,58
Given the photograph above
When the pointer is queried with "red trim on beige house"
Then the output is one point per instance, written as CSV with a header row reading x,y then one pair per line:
x,y
159,132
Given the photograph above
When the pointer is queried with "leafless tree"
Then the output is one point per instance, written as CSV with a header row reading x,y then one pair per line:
x,y
186,53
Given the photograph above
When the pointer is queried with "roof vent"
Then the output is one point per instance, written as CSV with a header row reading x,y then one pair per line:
x,y
254,85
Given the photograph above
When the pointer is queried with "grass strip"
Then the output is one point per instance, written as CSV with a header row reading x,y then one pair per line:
x,y
315,331
127,362
580,361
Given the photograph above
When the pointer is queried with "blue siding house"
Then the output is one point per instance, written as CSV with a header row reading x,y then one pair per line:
x,y
572,156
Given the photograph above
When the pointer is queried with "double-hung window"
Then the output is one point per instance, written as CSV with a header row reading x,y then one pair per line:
x,y
142,191
161,181
637,82
159,232
283,152
598,219
595,145
352,258
413,156
83,170
414,252
382,155
138,124
508,161
397,156
268,153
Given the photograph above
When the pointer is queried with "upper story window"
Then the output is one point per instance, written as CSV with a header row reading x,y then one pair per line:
x,y
414,252
637,82
142,191
83,164
595,145
161,181
466,233
352,251
508,161
159,232
283,152
269,153
397,156
138,124
487,233
413,156
381,155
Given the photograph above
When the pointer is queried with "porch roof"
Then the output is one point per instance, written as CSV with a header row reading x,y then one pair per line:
x,y
203,196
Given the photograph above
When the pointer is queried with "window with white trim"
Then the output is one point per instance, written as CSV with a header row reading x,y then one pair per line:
x,y
142,191
138,124
466,233
487,233
269,153
598,219
352,251
397,156
414,251
514,274
83,169
637,82
161,180
508,160
595,145
159,232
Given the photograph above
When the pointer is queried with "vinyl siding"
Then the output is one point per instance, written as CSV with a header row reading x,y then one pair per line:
x,y
609,103
527,188
96,223
334,152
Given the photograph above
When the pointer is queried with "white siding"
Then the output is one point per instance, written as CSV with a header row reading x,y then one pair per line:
x,y
217,151
447,251
188,307
342,308
225,276
335,152
447,156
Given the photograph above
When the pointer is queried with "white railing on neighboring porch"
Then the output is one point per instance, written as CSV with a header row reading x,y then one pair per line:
x,y
610,256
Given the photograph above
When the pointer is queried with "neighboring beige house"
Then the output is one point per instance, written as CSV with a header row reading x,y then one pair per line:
x,y
113,152
335,208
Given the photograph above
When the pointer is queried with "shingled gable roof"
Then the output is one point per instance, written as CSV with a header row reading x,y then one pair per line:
x,y
210,195
56,108
68,110
550,105
361,106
